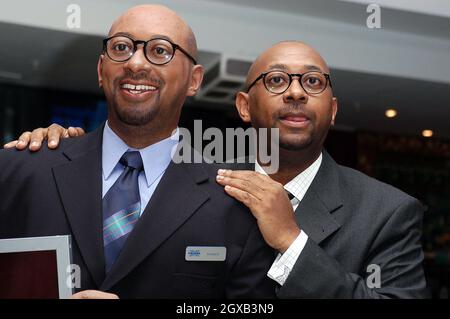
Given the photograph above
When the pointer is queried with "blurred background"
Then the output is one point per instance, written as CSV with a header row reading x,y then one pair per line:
x,y
390,72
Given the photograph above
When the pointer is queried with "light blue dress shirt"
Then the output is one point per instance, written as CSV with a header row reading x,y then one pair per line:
x,y
156,158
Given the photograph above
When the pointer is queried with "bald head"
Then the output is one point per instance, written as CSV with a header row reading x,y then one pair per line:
x,y
159,20
276,56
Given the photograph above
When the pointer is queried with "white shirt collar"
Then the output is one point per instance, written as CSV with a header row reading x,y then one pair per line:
x,y
155,157
299,185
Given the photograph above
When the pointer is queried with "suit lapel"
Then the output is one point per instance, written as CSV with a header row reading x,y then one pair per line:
x,y
79,183
176,198
314,213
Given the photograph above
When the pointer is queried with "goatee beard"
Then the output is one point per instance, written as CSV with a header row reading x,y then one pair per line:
x,y
136,117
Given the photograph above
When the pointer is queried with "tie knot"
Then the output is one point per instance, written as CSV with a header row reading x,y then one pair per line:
x,y
133,160
291,197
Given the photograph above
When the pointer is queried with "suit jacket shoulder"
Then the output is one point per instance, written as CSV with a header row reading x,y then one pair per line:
x,y
356,224
360,183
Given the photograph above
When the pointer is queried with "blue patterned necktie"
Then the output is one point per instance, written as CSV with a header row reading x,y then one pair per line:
x,y
121,207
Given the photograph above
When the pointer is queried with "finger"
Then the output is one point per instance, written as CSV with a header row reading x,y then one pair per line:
x,y
55,132
80,295
72,132
252,177
244,185
36,138
246,198
93,294
80,131
238,173
255,177
23,140
11,144
75,131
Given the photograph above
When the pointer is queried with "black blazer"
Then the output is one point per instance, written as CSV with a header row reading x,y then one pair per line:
x,y
354,221
60,192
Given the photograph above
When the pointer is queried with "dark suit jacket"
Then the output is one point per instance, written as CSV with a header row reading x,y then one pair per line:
x,y
354,221
59,192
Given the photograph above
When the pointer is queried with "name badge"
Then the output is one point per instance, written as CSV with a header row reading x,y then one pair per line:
x,y
206,253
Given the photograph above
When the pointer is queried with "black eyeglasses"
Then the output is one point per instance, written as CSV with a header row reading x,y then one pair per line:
x,y
158,51
278,82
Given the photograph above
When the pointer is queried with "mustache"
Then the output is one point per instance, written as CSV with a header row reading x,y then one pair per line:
x,y
293,107
140,76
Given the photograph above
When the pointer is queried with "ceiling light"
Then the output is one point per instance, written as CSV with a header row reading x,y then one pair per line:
x,y
390,113
427,133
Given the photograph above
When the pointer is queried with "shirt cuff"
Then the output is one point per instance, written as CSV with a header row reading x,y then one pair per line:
x,y
284,263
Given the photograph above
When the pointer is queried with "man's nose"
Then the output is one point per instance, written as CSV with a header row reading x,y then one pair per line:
x,y
295,92
138,62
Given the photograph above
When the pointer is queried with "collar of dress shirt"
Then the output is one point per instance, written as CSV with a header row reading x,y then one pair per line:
x,y
155,157
299,185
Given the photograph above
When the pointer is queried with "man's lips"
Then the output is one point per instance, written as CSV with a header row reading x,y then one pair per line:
x,y
297,120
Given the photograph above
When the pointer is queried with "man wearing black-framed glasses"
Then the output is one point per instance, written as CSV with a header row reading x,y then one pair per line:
x,y
142,226
339,233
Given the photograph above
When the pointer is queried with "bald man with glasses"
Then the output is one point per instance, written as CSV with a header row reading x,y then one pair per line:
x,y
142,226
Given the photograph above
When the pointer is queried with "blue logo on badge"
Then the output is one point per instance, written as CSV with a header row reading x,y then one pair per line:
x,y
194,253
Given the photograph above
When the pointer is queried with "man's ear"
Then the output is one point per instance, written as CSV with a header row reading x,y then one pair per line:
x,y
243,106
99,70
196,79
334,108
